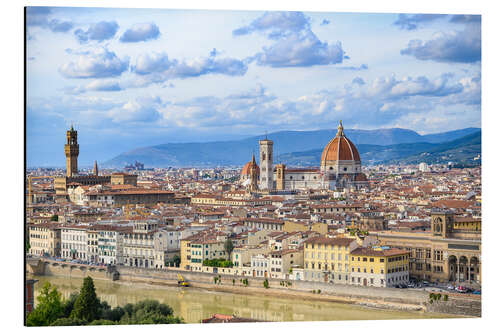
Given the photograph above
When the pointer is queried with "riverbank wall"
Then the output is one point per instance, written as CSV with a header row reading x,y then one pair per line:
x,y
384,298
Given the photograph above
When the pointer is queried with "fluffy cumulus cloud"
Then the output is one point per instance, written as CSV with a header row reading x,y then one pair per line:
x,y
40,17
95,85
453,47
276,24
140,33
100,31
142,110
295,44
156,67
412,22
99,63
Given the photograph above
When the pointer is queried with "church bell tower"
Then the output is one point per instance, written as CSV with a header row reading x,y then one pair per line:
x,y
266,165
71,149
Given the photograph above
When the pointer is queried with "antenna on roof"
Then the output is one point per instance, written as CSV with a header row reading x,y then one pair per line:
x,y
266,134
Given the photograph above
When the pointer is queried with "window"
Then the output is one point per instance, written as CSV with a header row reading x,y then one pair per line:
x,y
381,259
365,259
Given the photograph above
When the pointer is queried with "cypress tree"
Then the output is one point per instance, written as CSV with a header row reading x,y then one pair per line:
x,y
87,304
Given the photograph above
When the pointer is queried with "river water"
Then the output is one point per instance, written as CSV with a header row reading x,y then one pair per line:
x,y
195,304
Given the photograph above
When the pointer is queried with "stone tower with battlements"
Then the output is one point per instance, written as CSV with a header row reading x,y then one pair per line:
x,y
266,165
71,150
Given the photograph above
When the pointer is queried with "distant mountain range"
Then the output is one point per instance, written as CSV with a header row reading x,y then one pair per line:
x,y
291,147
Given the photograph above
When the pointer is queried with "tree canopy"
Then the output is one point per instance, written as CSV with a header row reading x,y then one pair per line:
x,y
228,247
48,309
87,304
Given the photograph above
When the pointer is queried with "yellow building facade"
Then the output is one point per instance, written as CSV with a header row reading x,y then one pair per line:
x,y
379,267
327,259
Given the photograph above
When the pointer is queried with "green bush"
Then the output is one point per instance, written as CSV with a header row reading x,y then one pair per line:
x,y
319,291
266,284
445,298
221,262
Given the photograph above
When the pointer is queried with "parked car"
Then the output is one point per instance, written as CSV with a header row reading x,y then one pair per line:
x,y
461,289
450,287
476,292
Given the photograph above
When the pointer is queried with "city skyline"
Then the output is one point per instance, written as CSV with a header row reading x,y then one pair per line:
x,y
128,78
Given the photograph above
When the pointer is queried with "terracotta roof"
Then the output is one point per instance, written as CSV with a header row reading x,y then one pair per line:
x,y
221,318
330,241
246,169
362,251
340,148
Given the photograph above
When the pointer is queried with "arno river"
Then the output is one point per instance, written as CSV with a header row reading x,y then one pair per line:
x,y
196,304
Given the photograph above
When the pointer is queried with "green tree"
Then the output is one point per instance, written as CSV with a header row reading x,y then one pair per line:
x,y
54,218
149,312
87,304
114,314
69,303
266,283
48,309
228,247
28,246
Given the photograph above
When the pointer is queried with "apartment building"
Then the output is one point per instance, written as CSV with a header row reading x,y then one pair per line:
x,y
74,242
327,259
138,244
45,239
283,260
379,267
203,249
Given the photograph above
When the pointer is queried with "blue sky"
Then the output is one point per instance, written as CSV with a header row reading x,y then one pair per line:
x,y
128,78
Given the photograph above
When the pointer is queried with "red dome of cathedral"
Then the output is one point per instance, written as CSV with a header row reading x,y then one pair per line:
x,y
246,168
340,148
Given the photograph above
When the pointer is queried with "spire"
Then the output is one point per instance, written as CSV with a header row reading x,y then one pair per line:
x,y
253,158
340,129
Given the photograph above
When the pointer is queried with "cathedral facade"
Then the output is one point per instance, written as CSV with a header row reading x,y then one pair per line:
x,y
340,168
